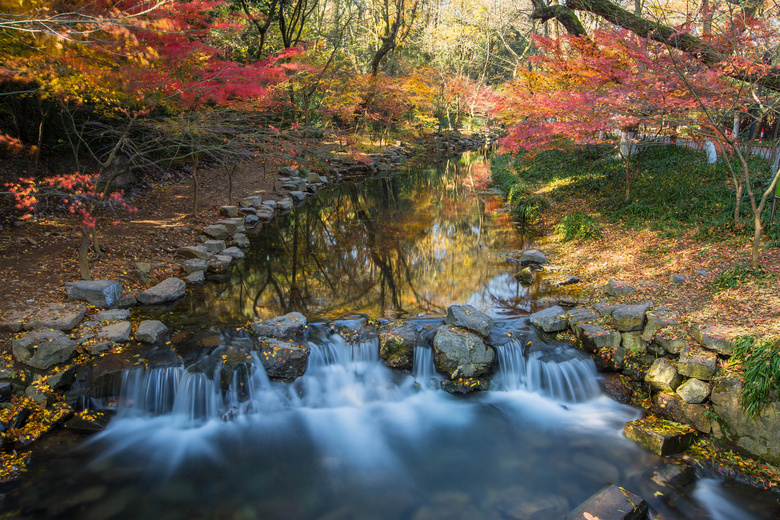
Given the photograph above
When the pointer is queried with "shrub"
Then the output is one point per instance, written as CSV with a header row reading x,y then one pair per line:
x,y
761,365
578,226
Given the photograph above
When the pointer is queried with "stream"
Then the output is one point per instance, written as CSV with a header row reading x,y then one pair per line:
x,y
198,435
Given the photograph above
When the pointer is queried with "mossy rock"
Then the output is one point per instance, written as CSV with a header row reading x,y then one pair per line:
x,y
660,436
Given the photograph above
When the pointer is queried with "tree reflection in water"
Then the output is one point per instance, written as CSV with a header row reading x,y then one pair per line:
x,y
392,247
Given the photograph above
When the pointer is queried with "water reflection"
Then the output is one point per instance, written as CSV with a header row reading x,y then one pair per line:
x,y
393,247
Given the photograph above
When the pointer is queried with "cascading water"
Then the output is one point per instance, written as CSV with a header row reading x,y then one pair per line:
x,y
203,433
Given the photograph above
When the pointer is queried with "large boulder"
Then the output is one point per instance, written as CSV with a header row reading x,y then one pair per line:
x,y
100,293
396,345
60,316
628,318
170,289
552,319
216,231
461,354
467,317
663,376
283,360
696,362
694,391
291,325
533,257
756,434
43,348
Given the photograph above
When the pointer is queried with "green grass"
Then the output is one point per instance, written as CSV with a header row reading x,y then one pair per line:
x,y
675,190
731,278
578,226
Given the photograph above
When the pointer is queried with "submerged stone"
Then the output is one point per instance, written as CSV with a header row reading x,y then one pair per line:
x,y
611,503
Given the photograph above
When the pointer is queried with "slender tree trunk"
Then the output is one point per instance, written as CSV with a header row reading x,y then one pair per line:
x,y
95,242
86,234
195,187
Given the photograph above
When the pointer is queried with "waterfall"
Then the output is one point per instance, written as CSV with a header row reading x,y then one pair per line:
x,y
559,372
423,369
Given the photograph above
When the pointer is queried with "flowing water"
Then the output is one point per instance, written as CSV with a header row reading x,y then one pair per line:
x,y
201,432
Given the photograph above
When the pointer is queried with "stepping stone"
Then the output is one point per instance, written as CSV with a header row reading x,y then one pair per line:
x,y
60,316
193,265
659,436
611,503
241,241
13,320
195,278
284,205
151,331
194,252
216,231
214,247
284,327
170,289
234,252
113,315
533,257
250,202
126,302
43,349
553,319
467,317
100,293
229,211
116,332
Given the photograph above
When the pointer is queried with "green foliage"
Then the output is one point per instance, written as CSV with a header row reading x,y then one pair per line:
x,y
761,365
735,276
525,206
578,226
674,191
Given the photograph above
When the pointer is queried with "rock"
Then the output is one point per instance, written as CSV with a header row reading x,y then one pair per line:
x,y
657,320
594,337
285,204
297,196
270,204
618,288
151,331
283,360
116,332
294,185
711,338
196,278
62,380
43,348
697,362
113,315
193,265
265,214
604,308
97,348
396,345
671,339
287,171
126,302
60,316
214,247
467,317
553,319
611,503
580,315
533,257
571,280
659,436
92,422
143,269
216,231
615,388
694,391
13,320
100,293
633,342
219,262
241,240
252,220
525,276
233,252
194,252
465,386
229,211
663,376
628,318
678,279
170,289
250,202
461,354
289,326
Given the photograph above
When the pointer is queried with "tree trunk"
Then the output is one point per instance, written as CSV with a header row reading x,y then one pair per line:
x,y
86,233
195,187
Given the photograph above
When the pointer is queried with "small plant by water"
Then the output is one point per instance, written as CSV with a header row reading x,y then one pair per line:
x,y
761,366
578,226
